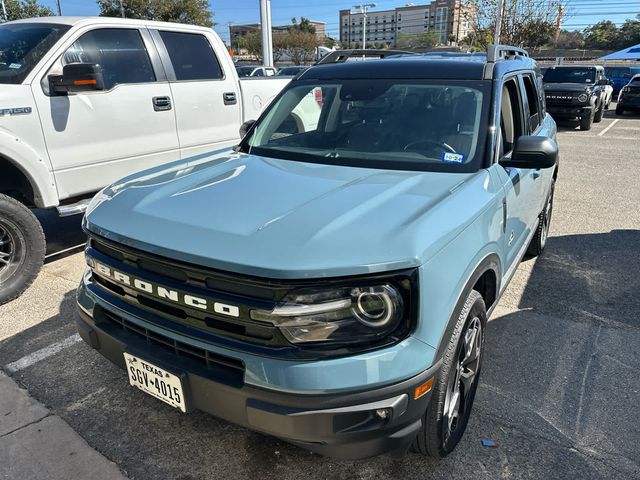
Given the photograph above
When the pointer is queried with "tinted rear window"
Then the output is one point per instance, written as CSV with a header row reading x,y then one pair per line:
x,y
192,56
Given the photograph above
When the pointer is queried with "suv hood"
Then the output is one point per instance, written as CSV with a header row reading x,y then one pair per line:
x,y
286,219
568,87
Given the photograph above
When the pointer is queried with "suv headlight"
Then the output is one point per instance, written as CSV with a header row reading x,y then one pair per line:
x,y
341,316
583,97
625,89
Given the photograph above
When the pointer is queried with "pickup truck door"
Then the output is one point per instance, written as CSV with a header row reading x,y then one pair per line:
x,y
520,185
206,97
95,138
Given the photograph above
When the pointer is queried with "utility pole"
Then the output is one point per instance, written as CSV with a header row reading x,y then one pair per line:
x,y
363,10
59,9
122,8
496,38
267,34
4,11
556,37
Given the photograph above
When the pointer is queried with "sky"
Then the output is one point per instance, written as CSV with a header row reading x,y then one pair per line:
x,y
581,12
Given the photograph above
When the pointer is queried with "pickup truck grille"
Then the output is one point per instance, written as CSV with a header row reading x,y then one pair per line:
x,y
237,294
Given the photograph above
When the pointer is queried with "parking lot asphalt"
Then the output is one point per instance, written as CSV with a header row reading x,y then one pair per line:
x,y
559,390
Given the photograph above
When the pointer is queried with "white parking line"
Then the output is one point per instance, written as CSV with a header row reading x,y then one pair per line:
x,y
609,127
41,354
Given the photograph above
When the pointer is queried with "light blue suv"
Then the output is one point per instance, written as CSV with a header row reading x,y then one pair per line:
x,y
329,280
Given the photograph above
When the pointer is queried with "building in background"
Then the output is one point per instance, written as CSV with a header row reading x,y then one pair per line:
x,y
447,18
238,31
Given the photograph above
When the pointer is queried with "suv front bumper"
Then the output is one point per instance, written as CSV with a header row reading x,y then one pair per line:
x,y
341,425
569,111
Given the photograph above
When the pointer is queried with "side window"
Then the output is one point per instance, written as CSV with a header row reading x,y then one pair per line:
x,y
120,52
192,56
259,72
532,101
511,118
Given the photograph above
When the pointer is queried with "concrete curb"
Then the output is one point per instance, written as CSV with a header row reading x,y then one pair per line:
x,y
35,444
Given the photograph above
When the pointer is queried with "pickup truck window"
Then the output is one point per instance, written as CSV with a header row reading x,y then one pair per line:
x,y
192,56
119,51
395,124
570,75
23,45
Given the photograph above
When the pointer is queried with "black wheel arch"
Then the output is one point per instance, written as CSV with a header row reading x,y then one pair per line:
x,y
486,276
18,184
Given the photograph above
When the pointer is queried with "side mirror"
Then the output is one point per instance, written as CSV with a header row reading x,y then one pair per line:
x,y
532,152
245,127
77,77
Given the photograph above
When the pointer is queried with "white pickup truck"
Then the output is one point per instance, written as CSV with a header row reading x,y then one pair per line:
x,y
87,100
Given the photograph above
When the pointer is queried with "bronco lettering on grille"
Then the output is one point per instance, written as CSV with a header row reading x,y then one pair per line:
x,y
165,293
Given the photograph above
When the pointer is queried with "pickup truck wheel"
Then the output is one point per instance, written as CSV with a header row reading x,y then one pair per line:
x,y
539,240
598,116
446,417
586,121
22,248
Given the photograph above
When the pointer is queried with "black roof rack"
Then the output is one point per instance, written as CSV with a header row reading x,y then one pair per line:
x,y
504,52
341,56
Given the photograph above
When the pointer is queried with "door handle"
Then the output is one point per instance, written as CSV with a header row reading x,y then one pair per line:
x,y
161,104
230,98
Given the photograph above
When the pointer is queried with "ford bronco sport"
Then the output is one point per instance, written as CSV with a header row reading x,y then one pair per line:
x,y
331,285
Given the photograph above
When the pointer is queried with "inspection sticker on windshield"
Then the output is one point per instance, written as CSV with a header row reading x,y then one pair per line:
x,y
450,157
15,65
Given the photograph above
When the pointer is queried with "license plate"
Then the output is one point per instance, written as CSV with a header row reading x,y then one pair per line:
x,y
155,381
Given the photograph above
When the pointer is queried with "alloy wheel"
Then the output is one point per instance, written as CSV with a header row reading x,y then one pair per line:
x,y
462,381
12,253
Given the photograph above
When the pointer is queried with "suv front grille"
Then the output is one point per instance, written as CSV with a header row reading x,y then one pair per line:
x,y
212,362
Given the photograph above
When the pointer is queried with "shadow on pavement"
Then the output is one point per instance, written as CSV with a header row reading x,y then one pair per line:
x,y
565,366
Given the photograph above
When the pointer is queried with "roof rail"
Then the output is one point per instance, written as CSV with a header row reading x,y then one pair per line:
x,y
503,52
341,56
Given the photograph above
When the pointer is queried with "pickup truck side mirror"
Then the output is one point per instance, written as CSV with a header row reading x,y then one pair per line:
x,y
245,127
532,152
77,77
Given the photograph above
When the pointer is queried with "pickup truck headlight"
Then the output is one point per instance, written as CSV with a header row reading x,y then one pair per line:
x,y
339,316
583,97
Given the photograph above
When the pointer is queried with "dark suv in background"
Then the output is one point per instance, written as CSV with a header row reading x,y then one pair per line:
x,y
577,92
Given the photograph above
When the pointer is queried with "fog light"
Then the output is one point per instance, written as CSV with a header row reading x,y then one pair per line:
x,y
383,413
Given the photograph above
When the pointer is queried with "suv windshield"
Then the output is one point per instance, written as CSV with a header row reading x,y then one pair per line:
x,y
392,123
22,45
570,75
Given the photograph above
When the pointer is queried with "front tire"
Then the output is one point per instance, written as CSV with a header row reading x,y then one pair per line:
x,y
619,110
539,240
598,116
586,121
22,248
447,414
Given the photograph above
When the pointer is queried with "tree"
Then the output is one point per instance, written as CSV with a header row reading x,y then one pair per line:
x,y
603,35
329,42
252,43
301,46
195,12
630,32
570,39
305,25
18,9
525,23
417,41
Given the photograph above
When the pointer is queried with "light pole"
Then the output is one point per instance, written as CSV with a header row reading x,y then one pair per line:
x,y
4,11
363,10
496,38
267,37
59,9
